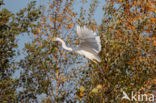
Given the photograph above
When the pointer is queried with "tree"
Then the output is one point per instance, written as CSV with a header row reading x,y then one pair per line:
x,y
128,41
128,52
11,25
45,67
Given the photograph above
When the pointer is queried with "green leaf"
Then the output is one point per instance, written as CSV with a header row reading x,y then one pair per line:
x,y
82,88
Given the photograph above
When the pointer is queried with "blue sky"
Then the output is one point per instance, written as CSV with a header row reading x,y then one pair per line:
x,y
16,5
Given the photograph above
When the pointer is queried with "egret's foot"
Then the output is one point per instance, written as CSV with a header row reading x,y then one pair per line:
x,y
94,61
91,60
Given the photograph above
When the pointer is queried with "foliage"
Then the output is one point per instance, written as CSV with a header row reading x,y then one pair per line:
x,y
45,66
128,43
12,25
127,33
127,61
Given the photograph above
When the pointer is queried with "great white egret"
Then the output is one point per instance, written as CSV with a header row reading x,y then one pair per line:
x,y
90,44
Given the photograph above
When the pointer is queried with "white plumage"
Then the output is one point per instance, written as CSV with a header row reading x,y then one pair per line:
x,y
90,44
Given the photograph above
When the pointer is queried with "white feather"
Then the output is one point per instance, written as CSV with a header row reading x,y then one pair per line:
x,y
88,55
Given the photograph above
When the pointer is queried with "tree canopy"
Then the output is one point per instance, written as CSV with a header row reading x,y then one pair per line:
x,y
50,74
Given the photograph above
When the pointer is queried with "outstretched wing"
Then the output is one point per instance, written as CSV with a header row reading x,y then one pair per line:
x,y
89,39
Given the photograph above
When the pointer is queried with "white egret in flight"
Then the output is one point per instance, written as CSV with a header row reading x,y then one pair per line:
x,y
90,44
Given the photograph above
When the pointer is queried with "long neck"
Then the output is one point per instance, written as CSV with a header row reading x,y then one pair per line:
x,y
64,44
